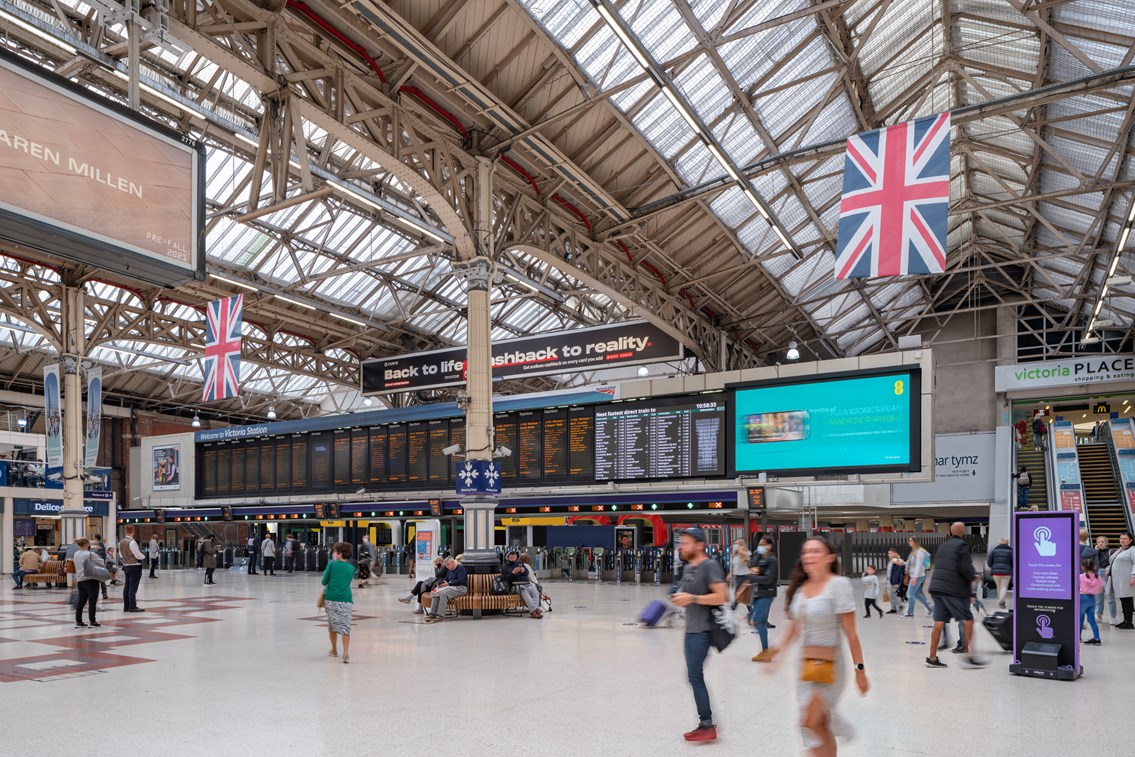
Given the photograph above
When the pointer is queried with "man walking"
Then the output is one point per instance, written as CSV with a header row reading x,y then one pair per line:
x,y
131,557
703,587
269,550
456,584
290,550
367,556
155,554
950,588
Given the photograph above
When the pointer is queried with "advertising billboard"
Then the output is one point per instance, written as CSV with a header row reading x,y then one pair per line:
x,y
963,472
614,346
861,422
89,181
166,470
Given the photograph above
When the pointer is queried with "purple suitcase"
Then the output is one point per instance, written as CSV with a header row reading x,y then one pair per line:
x,y
654,613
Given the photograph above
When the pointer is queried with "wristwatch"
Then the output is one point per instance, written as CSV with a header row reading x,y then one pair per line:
x,y
859,666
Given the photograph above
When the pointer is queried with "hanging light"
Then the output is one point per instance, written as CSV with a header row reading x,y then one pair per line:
x,y
793,353
368,401
643,371
271,412
22,422
196,421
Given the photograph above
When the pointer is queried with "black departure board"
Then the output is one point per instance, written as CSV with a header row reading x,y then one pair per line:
x,y
529,449
299,463
360,457
555,467
209,470
238,469
283,464
657,439
378,456
224,474
396,453
267,465
341,459
417,453
439,462
319,474
581,443
252,467
504,430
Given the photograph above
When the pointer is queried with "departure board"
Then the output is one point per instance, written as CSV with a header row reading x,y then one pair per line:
x,y
209,470
581,444
341,459
396,453
252,467
319,474
268,465
417,453
555,465
666,438
378,456
360,457
504,426
238,470
224,474
283,464
529,449
299,463
439,462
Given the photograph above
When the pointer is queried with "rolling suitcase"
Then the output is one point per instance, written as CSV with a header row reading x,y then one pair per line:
x,y
1000,627
654,613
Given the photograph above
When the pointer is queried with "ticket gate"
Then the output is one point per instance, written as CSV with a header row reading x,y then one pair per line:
x,y
597,554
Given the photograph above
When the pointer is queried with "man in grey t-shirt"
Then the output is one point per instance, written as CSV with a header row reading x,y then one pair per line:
x,y
703,588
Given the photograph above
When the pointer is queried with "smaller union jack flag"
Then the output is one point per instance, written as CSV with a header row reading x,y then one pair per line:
x,y
223,320
896,196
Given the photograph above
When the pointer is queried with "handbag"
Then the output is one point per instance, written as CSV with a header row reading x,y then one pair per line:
x,y
321,600
69,566
744,593
499,585
817,665
886,596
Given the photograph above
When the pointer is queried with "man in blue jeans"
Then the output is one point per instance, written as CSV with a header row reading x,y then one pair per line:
x,y
703,588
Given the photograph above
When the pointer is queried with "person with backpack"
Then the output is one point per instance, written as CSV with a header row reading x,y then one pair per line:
x,y
1000,562
1040,431
1024,481
916,566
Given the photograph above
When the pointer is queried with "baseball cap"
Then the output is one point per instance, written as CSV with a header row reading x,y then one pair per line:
x,y
697,533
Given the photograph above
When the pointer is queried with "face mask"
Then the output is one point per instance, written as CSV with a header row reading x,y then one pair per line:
x,y
762,550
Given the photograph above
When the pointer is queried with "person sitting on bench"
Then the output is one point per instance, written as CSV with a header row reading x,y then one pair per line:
x,y
515,575
455,584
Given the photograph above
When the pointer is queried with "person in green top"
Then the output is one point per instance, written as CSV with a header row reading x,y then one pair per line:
x,y
337,599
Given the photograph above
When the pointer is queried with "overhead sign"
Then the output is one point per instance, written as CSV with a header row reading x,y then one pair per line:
x,y
49,507
756,498
613,346
478,477
92,182
1046,638
1072,372
963,472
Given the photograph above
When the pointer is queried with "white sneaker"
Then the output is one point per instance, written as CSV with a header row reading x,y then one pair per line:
x,y
1113,622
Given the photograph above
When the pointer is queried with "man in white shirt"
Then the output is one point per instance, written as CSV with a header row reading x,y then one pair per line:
x,y
268,550
131,557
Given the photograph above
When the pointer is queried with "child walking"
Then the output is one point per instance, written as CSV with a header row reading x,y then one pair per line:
x,y
870,592
1090,585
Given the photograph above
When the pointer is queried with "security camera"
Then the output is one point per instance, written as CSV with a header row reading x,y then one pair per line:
x,y
453,449
502,451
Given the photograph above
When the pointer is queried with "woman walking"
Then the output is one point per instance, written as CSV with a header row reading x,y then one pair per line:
x,y
916,566
1000,563
1123,578
765,575
208,558
739,573
337,599
90,572
821,605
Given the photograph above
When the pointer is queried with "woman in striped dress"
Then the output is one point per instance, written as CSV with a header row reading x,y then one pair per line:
x,y
337,600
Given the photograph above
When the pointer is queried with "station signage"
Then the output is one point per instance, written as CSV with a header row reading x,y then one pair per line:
x,y
614,346
1073,372
54,507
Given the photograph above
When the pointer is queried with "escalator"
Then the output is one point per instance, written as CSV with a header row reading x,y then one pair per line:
x,y
1035,462
1101,492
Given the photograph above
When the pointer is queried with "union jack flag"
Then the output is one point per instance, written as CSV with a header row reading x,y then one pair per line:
x,y
222,348
896,195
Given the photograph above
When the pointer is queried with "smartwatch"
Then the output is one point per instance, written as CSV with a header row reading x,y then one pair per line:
x,y
859,666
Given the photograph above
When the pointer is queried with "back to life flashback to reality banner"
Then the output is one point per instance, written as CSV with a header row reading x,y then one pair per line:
x,y
618,345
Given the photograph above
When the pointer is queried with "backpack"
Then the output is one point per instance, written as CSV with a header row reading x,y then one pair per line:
x,y
1024,479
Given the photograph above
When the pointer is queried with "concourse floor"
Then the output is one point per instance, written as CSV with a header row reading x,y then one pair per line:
x,y
242,668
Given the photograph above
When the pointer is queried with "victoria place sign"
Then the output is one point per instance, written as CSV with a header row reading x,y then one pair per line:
x,y
1072,372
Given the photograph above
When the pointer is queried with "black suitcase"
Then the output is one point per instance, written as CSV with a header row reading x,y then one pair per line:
x,y
1000,627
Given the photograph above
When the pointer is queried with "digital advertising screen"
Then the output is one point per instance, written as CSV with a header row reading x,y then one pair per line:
x,y
863,422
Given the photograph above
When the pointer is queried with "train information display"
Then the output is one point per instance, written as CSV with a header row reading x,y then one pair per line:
x,y
657,439
866,422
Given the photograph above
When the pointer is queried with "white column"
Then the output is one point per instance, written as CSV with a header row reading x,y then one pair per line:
x,y
74,348
7,536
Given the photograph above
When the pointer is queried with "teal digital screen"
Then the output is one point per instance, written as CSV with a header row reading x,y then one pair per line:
x,y
850,424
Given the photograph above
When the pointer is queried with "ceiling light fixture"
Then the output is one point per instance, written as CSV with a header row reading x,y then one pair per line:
x,y
196,421
793,353
643,371
368,401
271,412
348,319
290,301
234,282
22,422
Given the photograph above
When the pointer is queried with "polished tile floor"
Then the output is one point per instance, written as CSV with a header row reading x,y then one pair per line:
x,y
241,668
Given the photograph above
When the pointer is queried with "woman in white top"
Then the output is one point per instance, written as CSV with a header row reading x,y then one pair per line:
x,y
1122,571
822,608
916,571
739,570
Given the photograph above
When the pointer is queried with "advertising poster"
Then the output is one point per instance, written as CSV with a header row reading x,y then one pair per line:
x,y
1122,435
167,468
1131,497
1071,498
94,417
963,471
859,422
1063,436
53,418
427,538
1046,583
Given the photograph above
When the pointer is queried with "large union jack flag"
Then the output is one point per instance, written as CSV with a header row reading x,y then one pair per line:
x,y
222,348
896,195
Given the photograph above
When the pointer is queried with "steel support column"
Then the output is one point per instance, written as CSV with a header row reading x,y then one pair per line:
x,y
74,347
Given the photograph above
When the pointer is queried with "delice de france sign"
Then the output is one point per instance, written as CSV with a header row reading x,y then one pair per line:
x,y
1072,372
620,344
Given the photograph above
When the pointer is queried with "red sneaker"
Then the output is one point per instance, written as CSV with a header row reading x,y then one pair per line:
x,y
702,733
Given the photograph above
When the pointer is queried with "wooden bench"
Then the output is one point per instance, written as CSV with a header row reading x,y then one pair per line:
x,y
480,597
51,574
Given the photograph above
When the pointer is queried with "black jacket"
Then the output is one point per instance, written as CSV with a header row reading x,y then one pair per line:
x,y
765,582
953,569
514,573
1001,560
